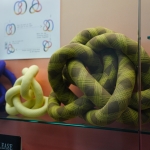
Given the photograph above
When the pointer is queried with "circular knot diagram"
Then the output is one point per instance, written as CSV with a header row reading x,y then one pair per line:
x,y
20,7
48,25
103,64
10,76
35,7
10,49
26,96
46,45
10,29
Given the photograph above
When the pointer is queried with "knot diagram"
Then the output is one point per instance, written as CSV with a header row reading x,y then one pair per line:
x,y
10,29
10,49
103,65
35,7
9,75
26,96
46,45
48,25
20,7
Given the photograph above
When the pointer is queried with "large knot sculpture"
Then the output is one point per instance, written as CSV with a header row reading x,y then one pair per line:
x,y
103,65
10,76
26,96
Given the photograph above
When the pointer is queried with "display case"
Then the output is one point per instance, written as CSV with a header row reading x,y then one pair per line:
x,y
119,18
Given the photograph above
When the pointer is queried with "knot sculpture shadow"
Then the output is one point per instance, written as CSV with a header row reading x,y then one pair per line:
x,y
10,76
103,64
26,96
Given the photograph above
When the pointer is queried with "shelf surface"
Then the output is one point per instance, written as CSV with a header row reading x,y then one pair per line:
x,y
76,122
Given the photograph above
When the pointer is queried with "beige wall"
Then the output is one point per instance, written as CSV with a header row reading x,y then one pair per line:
x,y
118,15
76,15
145,24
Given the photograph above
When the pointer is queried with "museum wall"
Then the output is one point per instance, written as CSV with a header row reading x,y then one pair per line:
x,y
76,15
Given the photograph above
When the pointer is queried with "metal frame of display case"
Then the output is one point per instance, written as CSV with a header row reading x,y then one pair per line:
x,y
139,70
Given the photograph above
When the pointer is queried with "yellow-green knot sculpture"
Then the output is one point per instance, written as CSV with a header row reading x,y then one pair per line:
x,y
26,96
103,65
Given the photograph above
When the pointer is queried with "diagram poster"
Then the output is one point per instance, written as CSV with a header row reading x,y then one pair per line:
x,y
29,28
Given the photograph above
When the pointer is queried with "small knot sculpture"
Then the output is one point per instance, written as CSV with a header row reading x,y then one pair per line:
x,y
9,75
26,96
103,65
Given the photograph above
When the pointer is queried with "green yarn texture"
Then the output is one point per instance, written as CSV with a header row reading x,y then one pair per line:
x,y
103,64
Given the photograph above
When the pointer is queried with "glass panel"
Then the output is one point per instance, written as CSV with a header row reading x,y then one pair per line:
x,y
145,42
94,84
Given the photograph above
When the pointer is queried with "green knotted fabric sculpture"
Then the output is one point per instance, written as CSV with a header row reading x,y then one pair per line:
x,y
103,64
